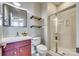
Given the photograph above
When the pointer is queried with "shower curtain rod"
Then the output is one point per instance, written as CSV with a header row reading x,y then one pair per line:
x,y
64,10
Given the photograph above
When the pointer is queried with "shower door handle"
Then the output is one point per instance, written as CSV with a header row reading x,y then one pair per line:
x,y
56,38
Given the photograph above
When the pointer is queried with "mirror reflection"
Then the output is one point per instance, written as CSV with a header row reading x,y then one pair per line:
x,y
14,16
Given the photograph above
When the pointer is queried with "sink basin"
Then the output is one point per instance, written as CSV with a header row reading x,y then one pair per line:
x,y
15,39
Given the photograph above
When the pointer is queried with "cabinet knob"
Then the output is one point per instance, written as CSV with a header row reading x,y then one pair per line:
x,y
20,50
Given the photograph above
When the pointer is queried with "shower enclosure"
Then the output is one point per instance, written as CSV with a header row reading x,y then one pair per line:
x,y
62,31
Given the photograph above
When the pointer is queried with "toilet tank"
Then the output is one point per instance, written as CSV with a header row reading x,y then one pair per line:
x,y
36,41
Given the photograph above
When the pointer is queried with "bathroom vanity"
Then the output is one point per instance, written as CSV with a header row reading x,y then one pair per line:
x,y
17,45
21,47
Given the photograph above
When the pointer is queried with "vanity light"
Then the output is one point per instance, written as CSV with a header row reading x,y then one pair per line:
x,y
17,4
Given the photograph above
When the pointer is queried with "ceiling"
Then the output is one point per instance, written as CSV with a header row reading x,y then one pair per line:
x,y
57,3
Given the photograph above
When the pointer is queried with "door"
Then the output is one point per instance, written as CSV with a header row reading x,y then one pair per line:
x,y
67,30
25,50
53,30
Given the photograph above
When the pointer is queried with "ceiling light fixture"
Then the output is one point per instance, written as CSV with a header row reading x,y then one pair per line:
x,y
17,4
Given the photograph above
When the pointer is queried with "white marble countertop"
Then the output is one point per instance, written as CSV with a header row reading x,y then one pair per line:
x,y
14,39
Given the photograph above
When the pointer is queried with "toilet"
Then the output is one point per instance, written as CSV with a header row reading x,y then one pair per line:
x,y
40,48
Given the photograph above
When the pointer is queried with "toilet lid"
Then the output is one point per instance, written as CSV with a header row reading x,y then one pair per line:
x,y
42,47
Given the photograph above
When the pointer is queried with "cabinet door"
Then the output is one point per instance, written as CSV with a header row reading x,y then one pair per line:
x,y
25,50
12,52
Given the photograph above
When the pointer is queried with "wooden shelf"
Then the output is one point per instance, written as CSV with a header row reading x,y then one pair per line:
x,y
36,17
35,26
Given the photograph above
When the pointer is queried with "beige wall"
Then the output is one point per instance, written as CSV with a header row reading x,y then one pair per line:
x,y
65,5
51,8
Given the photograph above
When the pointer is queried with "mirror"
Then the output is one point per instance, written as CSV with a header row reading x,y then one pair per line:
x,y
13,16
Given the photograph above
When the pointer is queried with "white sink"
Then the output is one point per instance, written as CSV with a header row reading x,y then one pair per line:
x,y
14,39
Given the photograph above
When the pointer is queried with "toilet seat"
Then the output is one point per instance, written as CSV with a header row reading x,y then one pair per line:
x,y
42,47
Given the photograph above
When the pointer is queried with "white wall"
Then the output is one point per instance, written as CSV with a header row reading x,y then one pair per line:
x,y
12,31
0,26
0,33
77,25
45,25
33,7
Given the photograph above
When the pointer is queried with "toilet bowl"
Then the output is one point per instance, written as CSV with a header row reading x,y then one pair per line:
x,y
40,48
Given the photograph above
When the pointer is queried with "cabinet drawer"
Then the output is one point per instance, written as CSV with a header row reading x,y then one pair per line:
x,y
23,43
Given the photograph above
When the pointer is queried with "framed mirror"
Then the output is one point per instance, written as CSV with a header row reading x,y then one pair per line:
x,y
13,16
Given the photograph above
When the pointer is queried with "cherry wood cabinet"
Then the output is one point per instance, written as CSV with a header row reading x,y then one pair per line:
x,y
21,48
12,52
24,51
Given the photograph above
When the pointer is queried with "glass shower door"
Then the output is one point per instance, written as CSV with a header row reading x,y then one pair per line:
x,y
63,26
53,33
67,30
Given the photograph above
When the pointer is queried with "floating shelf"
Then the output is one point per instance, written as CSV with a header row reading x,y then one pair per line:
x,y
35,26
36,17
